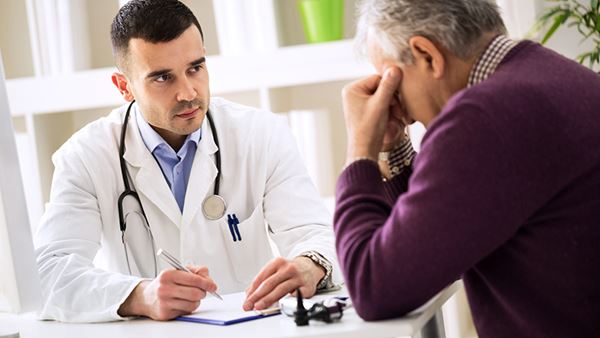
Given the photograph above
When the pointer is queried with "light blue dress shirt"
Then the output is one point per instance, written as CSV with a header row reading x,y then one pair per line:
x,y
175,166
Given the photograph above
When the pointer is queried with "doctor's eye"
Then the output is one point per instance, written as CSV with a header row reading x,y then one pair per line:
x,y
196,68
163,78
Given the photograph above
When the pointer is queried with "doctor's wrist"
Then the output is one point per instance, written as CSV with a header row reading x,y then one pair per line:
x,y
325,281
311,273
134,304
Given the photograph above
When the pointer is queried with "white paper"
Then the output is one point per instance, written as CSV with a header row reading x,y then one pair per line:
x,y
229,308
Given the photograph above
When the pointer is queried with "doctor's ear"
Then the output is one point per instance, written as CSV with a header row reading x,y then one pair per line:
x,y
120,81
428,57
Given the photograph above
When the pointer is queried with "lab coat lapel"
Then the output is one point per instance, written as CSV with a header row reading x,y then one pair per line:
x,y
202,176
146,174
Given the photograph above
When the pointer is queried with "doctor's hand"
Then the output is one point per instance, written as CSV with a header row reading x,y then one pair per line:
x,y
281,277
171,294
375,119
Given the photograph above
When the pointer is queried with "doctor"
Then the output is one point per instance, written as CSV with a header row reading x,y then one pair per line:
x,y
157,173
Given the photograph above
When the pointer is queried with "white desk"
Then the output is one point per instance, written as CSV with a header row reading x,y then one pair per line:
x,y
426,324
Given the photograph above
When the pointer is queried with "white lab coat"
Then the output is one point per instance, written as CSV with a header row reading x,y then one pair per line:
x,y
79,250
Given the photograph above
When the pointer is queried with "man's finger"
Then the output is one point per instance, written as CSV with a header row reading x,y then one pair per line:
x,y
364,86
268,286
199,270
264,289
388,85
277,293
369,84
268,270
181,306
184,278
188,293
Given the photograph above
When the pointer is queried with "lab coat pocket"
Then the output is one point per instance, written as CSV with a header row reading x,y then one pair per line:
x,y
247,244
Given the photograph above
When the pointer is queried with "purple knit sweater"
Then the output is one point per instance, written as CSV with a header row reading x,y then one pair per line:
x,y
504,194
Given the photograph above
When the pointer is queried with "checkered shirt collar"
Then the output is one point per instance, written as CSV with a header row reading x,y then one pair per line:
x,y
490,59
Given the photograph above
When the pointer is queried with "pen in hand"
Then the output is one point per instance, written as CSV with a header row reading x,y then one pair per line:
x,y
167,257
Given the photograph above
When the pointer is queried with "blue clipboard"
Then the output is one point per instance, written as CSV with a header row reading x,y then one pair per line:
x,y
229,311
224,322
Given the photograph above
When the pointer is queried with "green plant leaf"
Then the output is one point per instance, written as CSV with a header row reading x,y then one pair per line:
x,y
589,19
584,15
582,57
559,20
549,14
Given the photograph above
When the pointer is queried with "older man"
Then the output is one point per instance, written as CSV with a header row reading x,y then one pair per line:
x,y
505,192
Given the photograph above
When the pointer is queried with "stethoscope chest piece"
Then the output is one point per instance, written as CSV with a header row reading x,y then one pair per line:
x,y
213,207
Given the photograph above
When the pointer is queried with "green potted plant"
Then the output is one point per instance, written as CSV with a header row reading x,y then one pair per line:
x,y
323,20
581,14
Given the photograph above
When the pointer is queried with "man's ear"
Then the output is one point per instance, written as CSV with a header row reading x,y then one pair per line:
x,y
428,56
120,81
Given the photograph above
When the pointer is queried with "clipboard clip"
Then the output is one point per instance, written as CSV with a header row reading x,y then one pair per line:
x,y
269,311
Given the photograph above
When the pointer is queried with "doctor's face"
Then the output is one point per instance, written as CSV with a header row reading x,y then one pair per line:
x,y
169,82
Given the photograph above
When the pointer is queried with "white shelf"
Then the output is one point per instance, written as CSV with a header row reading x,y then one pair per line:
x,y
288,66
76,91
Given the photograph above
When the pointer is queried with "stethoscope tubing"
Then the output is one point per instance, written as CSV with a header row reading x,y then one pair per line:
x,y
128,191
125,172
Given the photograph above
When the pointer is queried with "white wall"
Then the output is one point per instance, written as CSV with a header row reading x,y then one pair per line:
x,y
15,39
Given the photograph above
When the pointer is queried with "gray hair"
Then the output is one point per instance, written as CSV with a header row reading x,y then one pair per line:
x,y
456,25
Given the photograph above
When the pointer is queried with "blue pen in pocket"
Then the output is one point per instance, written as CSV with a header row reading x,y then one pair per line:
x,y
233,222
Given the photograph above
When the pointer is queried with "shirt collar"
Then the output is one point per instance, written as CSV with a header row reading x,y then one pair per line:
x,y
489,60
153,140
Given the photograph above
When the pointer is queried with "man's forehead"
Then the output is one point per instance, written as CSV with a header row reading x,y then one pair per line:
x,y
141,48
375,53
180,52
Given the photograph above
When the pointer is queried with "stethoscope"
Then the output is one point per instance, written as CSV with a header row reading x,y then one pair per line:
x,y
213,206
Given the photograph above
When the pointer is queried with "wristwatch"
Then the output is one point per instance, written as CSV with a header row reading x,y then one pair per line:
x,y
326,282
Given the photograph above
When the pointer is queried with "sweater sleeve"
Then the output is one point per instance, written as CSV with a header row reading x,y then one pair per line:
x,y
459,206
396,186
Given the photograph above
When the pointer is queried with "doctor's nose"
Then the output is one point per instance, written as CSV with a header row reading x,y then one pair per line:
x,y
186,91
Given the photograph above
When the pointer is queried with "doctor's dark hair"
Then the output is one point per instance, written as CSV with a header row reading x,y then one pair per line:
x,y
153,21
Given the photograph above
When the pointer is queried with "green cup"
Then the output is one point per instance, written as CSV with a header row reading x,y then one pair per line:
x,y
323,20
